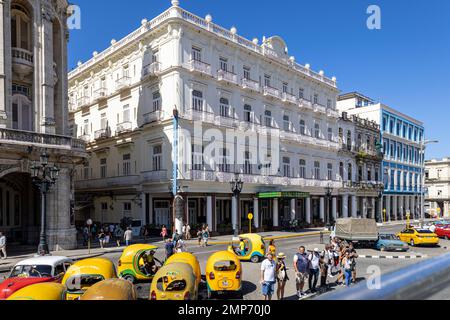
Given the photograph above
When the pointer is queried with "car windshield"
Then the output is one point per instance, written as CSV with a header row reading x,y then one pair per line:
x,y
32,271
388,237
164,284
227,265
423,231
82,282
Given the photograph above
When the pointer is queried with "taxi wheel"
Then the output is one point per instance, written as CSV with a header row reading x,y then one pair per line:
x,y
129,278
254,259
412,243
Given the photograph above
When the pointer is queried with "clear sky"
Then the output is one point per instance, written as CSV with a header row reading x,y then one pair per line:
x,y
405,65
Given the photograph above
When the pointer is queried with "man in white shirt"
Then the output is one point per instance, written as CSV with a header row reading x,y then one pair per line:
x,y
3,245
314,270
128,235
268,271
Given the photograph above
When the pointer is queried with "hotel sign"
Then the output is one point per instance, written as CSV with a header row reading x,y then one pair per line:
x,y
273,195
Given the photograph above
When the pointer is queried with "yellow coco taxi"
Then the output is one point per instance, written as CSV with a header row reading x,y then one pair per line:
x,y
418,237
250,248
223,273
40,291
190,259
174,281
85,273
111,289
132,263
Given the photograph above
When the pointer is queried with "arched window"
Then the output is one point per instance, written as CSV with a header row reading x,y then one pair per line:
x,y
224,107
20,28
350,173
197,100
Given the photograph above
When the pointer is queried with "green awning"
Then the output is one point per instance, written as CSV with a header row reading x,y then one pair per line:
x,y
293,195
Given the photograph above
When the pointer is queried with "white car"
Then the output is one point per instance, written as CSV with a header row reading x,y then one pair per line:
x,y
41,267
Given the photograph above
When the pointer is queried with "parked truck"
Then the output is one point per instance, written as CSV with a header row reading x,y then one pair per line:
x,y
362,232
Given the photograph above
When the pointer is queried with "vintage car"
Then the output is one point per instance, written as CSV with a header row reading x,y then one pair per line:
x,y
254,248
41,291
85,273
390,242
443,231
111,289
33,271
223,273
418,237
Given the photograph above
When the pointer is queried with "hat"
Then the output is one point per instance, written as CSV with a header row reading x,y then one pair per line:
x,y
281,255
316,250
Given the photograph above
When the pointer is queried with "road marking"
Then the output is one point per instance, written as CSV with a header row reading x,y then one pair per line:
x,y
421,256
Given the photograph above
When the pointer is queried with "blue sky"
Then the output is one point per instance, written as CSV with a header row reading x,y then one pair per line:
x,y
405,65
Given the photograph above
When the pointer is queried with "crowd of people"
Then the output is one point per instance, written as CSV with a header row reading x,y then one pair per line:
x,y
107,234
177,243
337,260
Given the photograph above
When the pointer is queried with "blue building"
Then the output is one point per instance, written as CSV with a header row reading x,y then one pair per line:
x,y
402,142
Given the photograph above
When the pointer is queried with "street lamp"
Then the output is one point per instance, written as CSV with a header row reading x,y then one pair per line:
x,y
236,188
380,196
422,174
44,176
328,193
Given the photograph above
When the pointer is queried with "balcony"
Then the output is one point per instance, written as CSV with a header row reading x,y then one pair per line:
x,y
226,76
85,137
83,101
200,67
153,116
333,113
100,94
27,138
112,182
287,97
250,85
227,121
151,70
271,92
123,83
320,109
154,176
305,104
22,61
124,127
101,134
200,115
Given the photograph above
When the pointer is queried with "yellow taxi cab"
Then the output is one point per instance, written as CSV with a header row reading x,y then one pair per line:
x,y
254,248
223,273
85,273
133,262
174,281
111,289
418,237
40,291
190,259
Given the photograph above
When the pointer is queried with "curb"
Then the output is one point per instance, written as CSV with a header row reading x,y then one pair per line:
x,y
393,257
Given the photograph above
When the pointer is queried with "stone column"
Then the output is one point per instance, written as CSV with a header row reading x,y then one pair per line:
x,y
380,209
388,208
373,214
413,208
308,210
394,207
365,213
322,208
256,212
345,206
354,207
47,75
3,116
234,217
401,207
334,208
293,209
275,212
150,209
209,211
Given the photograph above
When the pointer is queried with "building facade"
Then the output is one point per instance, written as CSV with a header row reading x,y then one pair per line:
x,y
34,120
402,140
243,108
437,181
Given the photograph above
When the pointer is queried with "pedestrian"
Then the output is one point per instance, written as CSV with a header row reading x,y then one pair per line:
x,y
340,278
205,236
85,235
183,232
163,233
242,250
111,228
353,255
181,246
128,236
169,248
268,271
347,262
107,237
314,269
3,246
175,237
188,232
282,276
101,238
118,235
301,267
199,237
272,248
324,264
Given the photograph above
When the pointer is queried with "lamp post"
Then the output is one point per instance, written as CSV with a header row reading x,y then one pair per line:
x,y
328,193
236,188
44,176
380,196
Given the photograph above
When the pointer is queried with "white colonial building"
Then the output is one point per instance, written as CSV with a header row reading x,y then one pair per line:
x,y
437,181
34,120
123,102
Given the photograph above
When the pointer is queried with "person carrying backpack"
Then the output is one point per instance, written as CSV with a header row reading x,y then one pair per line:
x,y
301,267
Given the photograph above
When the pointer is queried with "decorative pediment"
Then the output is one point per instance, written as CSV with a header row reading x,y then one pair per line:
x,y
277,44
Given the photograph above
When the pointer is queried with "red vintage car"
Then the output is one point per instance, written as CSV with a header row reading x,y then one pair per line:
x,y
32,271
443,231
